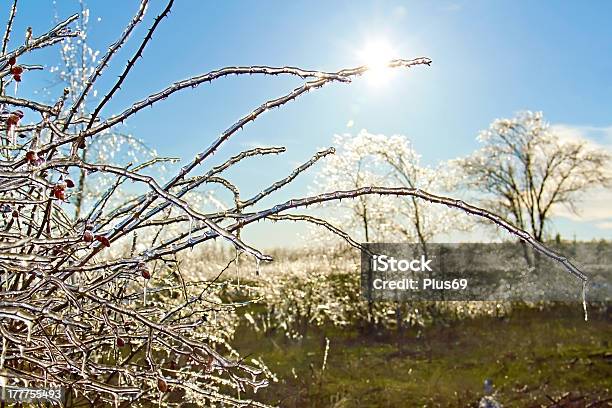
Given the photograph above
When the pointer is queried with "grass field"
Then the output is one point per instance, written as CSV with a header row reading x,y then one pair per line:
x,y
534,357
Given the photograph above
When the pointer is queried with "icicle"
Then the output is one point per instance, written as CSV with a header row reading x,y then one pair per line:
x,y
3,355
21,350
16,87
257,261
3,386
83,365
11,135
144,294
584,305
325,354
29,326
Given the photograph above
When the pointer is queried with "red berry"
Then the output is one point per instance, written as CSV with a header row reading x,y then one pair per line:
x,y
15,214
31,156
17,70
14,118
162,385
69,183
103,240
17,78
58,192
120,342
145,274
12,61
88,236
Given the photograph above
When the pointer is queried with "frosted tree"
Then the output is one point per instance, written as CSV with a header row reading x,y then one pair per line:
x,y
99,304
375,159
525,171
369,218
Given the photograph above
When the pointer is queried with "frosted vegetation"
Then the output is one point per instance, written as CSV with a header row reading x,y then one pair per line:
x,y
100,291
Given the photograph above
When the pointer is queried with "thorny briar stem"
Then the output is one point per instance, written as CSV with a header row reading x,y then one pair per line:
x,y
400,191
9,26
112,50
7,35
131,63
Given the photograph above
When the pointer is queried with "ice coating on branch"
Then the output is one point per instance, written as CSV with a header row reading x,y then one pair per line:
x,y
584,302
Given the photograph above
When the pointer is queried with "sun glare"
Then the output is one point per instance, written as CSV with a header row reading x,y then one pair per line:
x,y
376,55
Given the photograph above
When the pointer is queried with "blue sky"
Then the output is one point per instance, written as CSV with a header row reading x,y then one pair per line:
x,y
490,60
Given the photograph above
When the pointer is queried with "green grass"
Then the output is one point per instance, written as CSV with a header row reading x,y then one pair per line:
x,y
530,356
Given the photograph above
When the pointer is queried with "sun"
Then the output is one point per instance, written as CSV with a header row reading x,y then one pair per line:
x,y
376,55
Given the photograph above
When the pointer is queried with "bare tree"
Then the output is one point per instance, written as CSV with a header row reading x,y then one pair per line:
x,y
526,170
98,303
